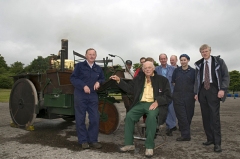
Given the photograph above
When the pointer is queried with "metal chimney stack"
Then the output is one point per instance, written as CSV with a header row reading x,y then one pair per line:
x,y
64,53
65,47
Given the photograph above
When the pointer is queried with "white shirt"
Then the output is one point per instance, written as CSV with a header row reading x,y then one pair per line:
x,y
209,66
127,75
91,65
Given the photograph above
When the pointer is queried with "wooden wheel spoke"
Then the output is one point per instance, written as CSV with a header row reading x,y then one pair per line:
x,y
110,117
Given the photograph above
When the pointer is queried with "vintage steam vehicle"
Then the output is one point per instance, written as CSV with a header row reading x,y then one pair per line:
x,y
50,95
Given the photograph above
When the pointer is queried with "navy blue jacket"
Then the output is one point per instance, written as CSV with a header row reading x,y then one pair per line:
x,y
84,75
184,80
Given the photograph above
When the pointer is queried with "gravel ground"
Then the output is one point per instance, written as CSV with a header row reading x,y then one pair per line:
x,y
57,139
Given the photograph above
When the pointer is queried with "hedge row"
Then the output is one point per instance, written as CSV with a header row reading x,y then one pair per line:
x,y
6,82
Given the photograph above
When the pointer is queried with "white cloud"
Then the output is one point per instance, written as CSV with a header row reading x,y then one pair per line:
x,y
130,29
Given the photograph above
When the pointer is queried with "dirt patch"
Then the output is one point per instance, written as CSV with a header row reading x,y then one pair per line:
x,y
58,139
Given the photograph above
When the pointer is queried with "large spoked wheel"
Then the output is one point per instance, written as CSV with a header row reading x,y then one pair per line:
x,y
109,117
22,103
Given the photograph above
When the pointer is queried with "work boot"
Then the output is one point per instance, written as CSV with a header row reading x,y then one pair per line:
x,y
149,153
169,132
183,139
96,145
127,148
174,128
85,146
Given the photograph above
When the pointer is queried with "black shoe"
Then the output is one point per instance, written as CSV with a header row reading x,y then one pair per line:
x,y
85,146
169,132
207,143
183,139
217,148
96,145
174,128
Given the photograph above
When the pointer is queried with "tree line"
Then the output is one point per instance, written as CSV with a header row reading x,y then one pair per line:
x,y
40,65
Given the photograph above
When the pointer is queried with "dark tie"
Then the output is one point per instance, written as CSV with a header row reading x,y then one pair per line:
x,y
206,75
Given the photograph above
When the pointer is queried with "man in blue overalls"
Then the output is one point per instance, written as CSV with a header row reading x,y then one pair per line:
x,y
86,78
167,70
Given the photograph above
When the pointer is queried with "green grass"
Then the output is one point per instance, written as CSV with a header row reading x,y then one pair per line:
x,y
4,95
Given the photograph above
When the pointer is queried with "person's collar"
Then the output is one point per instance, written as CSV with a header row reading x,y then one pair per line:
x,y
209,60
164,67
91,65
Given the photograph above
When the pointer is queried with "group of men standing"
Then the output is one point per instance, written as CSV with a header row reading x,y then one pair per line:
x,y
166,91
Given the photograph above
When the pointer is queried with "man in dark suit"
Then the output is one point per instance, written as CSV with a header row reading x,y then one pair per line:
x,y
211,84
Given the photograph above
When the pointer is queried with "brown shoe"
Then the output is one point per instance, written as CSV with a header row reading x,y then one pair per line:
x,y
149,153
85,146
96,145
127,148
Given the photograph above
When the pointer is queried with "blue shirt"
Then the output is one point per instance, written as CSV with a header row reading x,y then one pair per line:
x,y
169,71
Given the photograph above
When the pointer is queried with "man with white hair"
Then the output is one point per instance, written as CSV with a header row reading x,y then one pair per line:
x,y
152,94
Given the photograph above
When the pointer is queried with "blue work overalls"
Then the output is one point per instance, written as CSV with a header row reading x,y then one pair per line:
x,y
84,75
183,98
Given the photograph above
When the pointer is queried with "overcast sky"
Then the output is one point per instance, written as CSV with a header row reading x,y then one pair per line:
x,y
127,28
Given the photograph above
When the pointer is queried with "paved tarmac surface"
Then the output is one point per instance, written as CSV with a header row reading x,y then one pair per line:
x,y
57,139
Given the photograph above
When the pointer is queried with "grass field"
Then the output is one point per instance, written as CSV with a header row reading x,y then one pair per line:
x,y
4,95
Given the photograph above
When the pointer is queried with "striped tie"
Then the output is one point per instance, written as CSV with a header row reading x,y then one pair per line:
x,y
206,75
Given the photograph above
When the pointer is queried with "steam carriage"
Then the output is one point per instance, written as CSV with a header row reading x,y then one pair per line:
x,y
50,95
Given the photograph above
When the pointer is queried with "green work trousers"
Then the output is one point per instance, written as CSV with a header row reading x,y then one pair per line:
x,y
133,116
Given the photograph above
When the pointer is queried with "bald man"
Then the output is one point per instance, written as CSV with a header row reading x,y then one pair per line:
x,y
173,61
152,94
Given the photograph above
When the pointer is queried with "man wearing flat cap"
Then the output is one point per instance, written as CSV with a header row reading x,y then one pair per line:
x,y
128,73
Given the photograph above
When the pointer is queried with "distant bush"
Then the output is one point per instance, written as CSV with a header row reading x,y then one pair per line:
x,y
6,81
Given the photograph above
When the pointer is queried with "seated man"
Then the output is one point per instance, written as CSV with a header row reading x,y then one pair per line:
x,y
152,96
